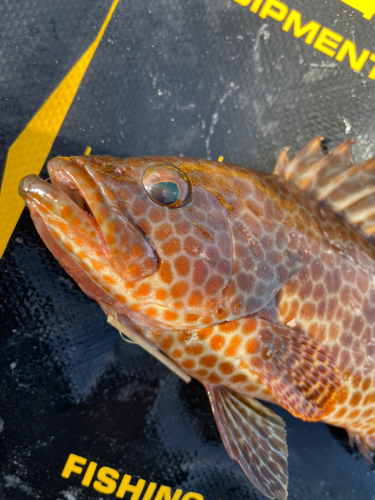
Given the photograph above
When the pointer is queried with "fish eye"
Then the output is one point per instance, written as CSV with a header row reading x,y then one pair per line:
x,y
167,186
165,193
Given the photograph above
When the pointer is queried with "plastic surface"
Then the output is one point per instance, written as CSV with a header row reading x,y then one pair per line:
x,y
201,78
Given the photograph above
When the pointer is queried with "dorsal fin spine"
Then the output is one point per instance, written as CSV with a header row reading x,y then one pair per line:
x,y
335,179
362,216
359,195
282,162
368,226
306,179
340,178
311,151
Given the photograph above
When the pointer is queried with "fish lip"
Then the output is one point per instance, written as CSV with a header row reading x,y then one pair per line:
x,y
33,189
64,181
45,199
80,196
25,184
42,197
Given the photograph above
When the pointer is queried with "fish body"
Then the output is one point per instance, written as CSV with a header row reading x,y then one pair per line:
x,y
260,286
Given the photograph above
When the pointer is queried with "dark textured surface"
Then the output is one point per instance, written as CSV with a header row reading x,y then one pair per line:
x,y
200,78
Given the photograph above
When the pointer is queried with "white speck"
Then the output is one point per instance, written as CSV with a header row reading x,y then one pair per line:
x,y
367,367
215,118
270,99
318,72
324,64
203,255
68,495
266,126
348,125
13,365
185,107
16,483
264,32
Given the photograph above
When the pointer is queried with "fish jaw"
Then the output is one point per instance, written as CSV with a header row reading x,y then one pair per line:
x,y
57,210
74,226
72,236
56,245
129,252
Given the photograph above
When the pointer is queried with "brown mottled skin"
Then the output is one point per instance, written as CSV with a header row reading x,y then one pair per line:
x,y
332,296
251,283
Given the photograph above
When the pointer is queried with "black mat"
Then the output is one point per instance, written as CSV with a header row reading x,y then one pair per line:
x,y
197,78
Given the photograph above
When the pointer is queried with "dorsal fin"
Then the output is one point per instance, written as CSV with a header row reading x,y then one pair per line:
x,y
282,162
362,210
309,155
356,184
319,179
335,178
368,226
335,165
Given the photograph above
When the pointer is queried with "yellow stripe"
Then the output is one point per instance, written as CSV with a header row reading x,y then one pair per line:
x,y
367,7
29,151
87,150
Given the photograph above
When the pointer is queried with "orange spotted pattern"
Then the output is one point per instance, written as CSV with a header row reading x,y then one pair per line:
x,y
251,283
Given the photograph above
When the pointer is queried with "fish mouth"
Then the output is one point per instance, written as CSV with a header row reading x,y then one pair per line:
x,y
63,175
64,198
81,212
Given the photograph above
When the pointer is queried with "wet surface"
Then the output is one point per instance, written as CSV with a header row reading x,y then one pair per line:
x,y
198,78
70,384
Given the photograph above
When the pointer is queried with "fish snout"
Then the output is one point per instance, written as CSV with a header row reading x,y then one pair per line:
x,y
87,181
38,194
27,184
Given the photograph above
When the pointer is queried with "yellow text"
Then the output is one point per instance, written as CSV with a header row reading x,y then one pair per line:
x,y
323,39
107,481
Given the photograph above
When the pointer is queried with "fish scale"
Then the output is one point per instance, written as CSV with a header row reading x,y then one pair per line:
x,y
252,283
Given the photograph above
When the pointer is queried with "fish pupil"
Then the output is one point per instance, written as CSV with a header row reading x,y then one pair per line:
x,y
165,193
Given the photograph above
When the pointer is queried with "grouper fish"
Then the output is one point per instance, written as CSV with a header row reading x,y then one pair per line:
x,y
261,286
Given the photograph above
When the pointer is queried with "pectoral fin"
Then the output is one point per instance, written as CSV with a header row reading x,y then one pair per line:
x,y
255,437
300,373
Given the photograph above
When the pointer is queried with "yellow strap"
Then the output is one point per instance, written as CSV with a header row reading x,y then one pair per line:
x,y
29,151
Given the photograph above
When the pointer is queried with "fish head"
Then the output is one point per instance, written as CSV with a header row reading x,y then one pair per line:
x,y
146,236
